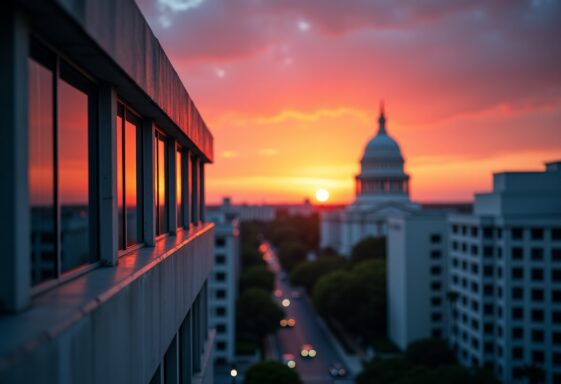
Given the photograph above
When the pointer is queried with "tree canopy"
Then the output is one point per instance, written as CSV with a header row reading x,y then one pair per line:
x,y
308,273
257,314
369,248
257,277
271,372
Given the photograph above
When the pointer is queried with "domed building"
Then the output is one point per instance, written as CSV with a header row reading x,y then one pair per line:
x,y
381,189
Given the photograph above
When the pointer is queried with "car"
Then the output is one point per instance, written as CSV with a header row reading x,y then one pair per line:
x,y
296,294
287,323
289,360
308,351
337,370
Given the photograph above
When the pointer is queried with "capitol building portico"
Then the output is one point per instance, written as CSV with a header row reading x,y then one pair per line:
x,y
381,189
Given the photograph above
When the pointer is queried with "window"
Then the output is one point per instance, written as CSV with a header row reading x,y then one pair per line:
x,y
488,289
487,232
220,293
538,357
537,274
488,270
517,313
556,233
221,328
537,253
128,177
488,251
179,187
436,286
435,254
537,294
517,233
220,241
474,250
556,275
556,296
474,231
517,253
537,336
537,315
436,301
220,259
517,333
220,311
220,345
537,233
435,238
436,317
220,276
60,181
517,353
517,293
517,273
556,254
556,317
160,182
435,270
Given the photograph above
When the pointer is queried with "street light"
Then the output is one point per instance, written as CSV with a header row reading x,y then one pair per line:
x,y
233,374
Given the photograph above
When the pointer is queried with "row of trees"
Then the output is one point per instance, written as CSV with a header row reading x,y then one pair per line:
x,y
426,361
257,314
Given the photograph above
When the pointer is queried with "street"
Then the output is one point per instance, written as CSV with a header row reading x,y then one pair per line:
x,y
306,331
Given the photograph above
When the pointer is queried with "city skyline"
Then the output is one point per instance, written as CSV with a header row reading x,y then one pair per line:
x,y
470,89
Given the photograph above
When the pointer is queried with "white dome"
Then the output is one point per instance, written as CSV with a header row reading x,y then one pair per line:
x,y
382,146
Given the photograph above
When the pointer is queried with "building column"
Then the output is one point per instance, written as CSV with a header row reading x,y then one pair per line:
x,y
108,231
202,191
148,198
15,236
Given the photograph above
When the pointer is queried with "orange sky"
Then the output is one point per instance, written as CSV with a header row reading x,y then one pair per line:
x,y
290,90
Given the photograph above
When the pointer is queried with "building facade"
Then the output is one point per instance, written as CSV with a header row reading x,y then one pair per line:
x,y
106,250
417,276
505,277
223,284
381,189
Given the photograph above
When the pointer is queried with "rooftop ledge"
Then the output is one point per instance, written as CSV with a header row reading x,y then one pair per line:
x,y
56,310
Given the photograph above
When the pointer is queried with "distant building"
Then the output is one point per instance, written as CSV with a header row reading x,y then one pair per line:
x,y
106,252
416,277
505,277
499,279
223,284
382,189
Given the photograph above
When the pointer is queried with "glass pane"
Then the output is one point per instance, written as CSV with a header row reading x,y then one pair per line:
x,y
41,173
179,189
73,176
130,183
162,216
120,181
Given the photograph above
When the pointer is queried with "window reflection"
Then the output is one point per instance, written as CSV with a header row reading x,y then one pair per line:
x,y
179,188
160,183
41,173
73,175
128,158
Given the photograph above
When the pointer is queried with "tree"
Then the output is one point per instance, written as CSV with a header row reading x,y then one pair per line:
x,y
257,314
430,353
291,253
386,371
257,277
369,248
271,372
360,291
308,273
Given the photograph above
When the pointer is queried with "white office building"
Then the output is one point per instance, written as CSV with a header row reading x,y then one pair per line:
x,y
416,283
382,189
223,283
505,277
105,249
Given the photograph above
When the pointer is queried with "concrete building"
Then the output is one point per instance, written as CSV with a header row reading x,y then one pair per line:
x,y
505,277
417,270
382,189
105,249
223,285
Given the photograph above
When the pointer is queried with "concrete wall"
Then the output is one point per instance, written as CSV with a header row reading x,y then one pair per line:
x,y
111,325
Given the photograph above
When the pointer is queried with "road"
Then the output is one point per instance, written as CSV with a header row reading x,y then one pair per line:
x,y
306,331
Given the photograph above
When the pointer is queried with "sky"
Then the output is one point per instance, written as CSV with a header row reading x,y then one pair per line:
x,y
291,90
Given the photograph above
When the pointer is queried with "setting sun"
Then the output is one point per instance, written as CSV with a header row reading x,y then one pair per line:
x,y
322,195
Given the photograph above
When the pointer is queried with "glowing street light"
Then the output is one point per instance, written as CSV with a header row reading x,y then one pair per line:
x,y
285,303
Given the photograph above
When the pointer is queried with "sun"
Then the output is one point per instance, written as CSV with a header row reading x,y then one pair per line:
x,y
322,195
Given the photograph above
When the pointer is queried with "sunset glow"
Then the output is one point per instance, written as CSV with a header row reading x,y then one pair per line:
x,y
291,89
